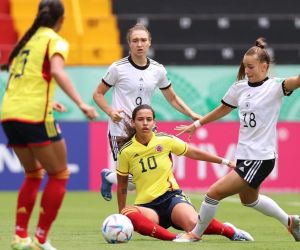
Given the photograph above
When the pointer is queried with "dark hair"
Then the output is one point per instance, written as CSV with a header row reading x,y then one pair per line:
x,y
137,26
143,106
258,49
49,12
129,130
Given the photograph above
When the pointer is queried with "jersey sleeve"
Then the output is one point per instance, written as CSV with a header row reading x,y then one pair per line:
x,y
179,147
122,165
230,98
281,90
58,46
163,78
111,76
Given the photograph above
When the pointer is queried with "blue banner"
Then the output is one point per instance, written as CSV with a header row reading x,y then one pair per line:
x,y
76,137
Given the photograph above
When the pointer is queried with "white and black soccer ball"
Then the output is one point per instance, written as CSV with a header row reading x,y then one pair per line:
x,y
117,228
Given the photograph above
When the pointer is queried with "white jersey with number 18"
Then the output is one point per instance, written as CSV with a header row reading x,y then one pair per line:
x,y
259,106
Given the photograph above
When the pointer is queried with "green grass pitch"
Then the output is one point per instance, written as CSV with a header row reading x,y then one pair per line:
x,y
78,225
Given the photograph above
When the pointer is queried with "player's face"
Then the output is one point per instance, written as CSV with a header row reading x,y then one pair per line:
x,y
143,122
254,69
139,43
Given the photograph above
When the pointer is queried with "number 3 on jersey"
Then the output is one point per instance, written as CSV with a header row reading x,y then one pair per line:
x,y
20,66
249,120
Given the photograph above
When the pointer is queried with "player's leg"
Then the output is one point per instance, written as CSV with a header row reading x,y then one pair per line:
x,y
27,196
269,207
250,195
228,185
145,221
54,160
109,177
185,217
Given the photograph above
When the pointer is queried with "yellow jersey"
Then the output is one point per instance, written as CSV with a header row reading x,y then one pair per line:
x,y
30,89
151,165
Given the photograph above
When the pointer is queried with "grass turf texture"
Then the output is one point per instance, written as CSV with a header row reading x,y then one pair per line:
x,y
78,225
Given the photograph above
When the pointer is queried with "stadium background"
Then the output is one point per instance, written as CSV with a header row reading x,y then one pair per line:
x,y
200,43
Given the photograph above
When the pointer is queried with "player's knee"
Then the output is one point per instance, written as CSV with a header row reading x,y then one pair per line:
x,y
63,175
248,203
128,210
189,223
37,173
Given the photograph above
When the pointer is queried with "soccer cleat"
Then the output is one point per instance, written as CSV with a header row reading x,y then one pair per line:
x,y
19,243
35,245
186,237
106,186
239,235
294,226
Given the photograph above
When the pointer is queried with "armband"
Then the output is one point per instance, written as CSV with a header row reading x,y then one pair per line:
x,y
225,162
197,124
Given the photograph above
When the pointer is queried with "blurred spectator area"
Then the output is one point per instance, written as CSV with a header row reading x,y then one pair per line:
x,y
90,28
188,32
184,32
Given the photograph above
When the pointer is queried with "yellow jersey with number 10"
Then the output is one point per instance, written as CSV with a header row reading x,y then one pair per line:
x,y
151,165
30,89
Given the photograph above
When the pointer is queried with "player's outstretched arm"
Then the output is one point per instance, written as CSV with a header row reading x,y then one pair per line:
x,y
198,154
62,79
292,83
216,114
179,104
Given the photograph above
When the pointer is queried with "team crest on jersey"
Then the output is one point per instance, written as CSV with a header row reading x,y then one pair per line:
x,y
159,148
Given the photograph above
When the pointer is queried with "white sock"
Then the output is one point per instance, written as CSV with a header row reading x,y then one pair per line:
x,y
112,177
269,207
206,214
131,185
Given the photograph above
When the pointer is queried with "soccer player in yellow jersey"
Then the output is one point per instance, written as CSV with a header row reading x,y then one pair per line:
x,y
160,203
35,65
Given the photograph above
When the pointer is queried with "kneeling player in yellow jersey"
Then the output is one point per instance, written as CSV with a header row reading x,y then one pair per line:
x,y
160,203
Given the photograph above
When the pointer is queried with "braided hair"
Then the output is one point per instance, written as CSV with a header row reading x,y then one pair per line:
x,y
49,12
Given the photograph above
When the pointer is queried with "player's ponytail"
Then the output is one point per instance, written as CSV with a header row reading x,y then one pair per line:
x,y
130,132
48,14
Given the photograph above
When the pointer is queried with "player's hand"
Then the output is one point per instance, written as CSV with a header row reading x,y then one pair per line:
x,y
116,115
89,111
58,106
190,129
232,164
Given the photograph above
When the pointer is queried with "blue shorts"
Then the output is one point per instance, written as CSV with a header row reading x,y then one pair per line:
x,y
164,205
21,134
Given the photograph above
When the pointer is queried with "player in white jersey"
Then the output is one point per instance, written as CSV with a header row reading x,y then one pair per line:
x,y
133,80
258,98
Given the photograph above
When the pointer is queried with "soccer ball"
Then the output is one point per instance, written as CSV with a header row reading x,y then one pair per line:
x,y
117,228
